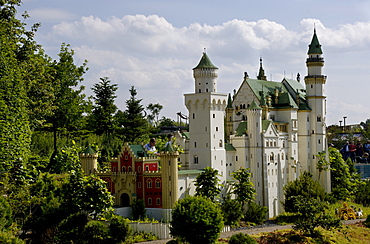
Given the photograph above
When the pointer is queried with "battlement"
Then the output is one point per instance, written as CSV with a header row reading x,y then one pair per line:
x,y
110,173
89,155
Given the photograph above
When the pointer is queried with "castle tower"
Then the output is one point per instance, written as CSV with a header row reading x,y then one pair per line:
x,y
254,130
261,72
315,83
229,116
170,192
206,120
89,161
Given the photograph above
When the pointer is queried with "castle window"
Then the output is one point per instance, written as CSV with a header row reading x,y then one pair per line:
x,y
150,183
139,169
318,118
199,91
313,132
311,86
308,118
147,168
319,141
236,158
220,144
149,201
108,184
274,143
207,90
157,184
129,168
139,185
256,124
114,169
158,201
196,160
214,116
123,169
193,115
216,128
126,157
267,143
282,156
206,129
195,144
207,144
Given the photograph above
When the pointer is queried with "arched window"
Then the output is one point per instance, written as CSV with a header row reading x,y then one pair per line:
x,y
220,143
150,183
123,169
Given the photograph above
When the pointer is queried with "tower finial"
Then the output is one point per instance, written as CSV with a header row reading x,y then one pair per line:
x,y
204,50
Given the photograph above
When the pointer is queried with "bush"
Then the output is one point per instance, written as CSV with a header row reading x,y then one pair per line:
x,y
71,228
232,211
367,222
120,228
196,220
138,211
9,238
255,213
95,232
5,214
241,238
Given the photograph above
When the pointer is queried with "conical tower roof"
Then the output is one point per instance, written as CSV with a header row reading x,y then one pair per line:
x,y
314,47
254,105
205,63
229,101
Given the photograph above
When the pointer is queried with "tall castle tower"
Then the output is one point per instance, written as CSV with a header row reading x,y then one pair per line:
x,y
206,119
315,83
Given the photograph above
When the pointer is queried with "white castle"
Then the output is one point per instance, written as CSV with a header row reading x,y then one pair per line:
x,y
276,129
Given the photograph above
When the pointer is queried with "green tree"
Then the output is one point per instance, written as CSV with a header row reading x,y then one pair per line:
x,y
312,215
104,108
196,220
255,213
322,163
120,228
6,217
132,120
207,184
69,103
241,238
362,195
243,187
232,210
304,186
343,182
138,211
15,44
154,110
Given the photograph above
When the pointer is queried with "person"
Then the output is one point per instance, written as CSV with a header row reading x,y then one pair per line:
x,y
365,158
367,146
359,150
150,147
352,151
169,138
345,151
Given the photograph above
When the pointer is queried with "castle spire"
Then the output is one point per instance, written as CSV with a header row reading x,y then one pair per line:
x,y
261,72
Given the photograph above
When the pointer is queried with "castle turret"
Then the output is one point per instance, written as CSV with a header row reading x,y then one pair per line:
x,y
170,187
89,161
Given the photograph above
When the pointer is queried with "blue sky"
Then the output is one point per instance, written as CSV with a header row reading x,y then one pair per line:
x,y
154,45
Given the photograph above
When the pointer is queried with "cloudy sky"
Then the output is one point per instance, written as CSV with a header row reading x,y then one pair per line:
x,y
153,45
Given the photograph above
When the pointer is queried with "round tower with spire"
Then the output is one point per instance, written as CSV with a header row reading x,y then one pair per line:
x,y
205,75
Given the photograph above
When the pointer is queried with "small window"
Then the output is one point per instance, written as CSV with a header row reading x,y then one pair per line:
x,y
149,201
216,128
157,184
139,185
193,115
195,144
149,184
158,201
123,169
139,169
214,116
146,168
129,168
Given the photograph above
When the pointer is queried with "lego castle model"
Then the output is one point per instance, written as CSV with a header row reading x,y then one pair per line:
x,y
275,129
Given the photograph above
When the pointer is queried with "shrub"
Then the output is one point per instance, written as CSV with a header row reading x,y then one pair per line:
x,y
71,228
255,213
232,211
367,222
5,214
120,228
95,232
138,211
9,238
196,220
241,238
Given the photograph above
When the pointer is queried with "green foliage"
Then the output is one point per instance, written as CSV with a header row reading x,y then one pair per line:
x,y
95,232
154,110
285,218
362,195
304,186
141,236
232,211
367,222
255,213
71,228
241,238
6,218
207,184
196,220
344,178
322,163
120,228
312,215
132,122
243,187
9,238
138,211
102,117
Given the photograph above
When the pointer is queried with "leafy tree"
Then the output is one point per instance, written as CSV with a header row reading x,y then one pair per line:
x,y
6,218
120,228
95,232
132,119
196,220
104,108
255,213
15,43
71,228
232,210
164,121
322,163
69,103
362,195
312,215
207,184
342,181
243,187
138,211
154,110
304,186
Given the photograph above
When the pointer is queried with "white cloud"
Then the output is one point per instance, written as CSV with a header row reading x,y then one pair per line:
x,y
48,15
157,58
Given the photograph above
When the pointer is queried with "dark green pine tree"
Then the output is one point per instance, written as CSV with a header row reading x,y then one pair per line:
x,y
132,120
104,109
